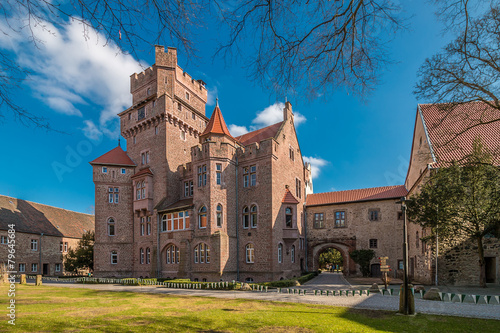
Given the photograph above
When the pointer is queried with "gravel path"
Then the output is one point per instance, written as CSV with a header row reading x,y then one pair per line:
x,y
324,281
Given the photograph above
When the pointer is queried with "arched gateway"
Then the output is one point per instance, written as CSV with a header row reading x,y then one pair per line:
x,y
349,265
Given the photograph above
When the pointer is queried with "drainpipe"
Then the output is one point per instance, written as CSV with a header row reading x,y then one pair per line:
x,y
305,235
237,229
158,254
41,266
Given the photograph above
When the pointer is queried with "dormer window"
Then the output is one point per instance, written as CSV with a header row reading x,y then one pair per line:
x,y
288,217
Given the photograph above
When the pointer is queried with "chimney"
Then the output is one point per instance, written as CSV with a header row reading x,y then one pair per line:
x,y
287,111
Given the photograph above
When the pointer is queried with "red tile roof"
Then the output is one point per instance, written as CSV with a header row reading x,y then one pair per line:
x,y
289,198
260,134
35,218
447,129
115,156
366,194
216,124
146,171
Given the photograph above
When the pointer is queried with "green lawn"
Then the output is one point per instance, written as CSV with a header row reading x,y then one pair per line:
x,y
51,309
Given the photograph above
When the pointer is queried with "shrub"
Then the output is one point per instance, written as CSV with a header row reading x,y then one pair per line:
x,y
363,258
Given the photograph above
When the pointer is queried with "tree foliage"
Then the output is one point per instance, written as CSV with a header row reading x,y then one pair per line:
x,y
331,256
461,202
363,259
83,256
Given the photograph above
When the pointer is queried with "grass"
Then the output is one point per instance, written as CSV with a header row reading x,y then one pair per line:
x,y
51,309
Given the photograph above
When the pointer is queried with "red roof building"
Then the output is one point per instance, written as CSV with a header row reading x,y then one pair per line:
x,y
115,156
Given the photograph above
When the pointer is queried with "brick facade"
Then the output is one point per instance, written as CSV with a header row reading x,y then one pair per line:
x,y
43,235
163,231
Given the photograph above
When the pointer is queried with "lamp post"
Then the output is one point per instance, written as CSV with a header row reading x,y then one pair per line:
x,y
406,303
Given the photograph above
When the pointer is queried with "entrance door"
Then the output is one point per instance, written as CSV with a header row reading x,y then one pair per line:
x,y
491,264
375,270
45,269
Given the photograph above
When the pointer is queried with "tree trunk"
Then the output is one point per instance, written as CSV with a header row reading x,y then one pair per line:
x,y
482,264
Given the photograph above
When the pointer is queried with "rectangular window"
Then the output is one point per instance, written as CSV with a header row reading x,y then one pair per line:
x,y
135,140
61,247
156,130
143,158
34,267
194,116
318,220
114,258
218,173
373,215
401,264
3,240
58,267
179,107
34,245
141,113
400,215
253,175
186,189
245,177
291,153
340,219
187,96
123,171
149,227
22,268
104,170
116,194
298,187
183,135
142,226
373,244
147,157
191,188
200,176
65,246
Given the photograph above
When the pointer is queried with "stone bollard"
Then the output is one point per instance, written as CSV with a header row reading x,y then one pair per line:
x,y
411,300
38,280
374,288
23,279
432,294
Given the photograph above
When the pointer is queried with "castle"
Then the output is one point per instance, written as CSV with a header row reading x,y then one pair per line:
x,y
187,199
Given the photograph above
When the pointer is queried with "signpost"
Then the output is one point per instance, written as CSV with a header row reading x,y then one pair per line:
x,y
384,268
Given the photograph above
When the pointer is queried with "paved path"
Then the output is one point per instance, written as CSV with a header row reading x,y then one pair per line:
x,y
374,301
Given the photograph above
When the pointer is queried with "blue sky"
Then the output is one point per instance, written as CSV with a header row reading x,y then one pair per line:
x,y
80,86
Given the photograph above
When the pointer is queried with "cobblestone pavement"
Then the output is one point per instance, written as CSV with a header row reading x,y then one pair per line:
x,y
373,301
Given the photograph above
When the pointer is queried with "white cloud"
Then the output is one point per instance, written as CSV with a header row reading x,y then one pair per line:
x,y
212,94
91,131
274,114
75,72
270,115
236,130
316,165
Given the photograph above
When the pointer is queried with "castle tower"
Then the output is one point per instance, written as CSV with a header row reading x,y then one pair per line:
x,y
113,213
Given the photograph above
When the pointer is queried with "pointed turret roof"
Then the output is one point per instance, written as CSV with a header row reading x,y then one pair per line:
x,y
217,125
289,198
115,156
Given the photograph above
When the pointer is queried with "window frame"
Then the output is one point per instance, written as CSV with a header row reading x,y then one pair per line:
x,y
219,216
253,216
373,243
34,245
280,253
202,212
343,218
250,253
288,217
319,223
114,255
246,217
111,224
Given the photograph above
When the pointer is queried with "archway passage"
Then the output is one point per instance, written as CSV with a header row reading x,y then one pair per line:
x,y
348,266
331,259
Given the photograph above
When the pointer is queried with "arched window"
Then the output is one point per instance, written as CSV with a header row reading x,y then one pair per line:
x,y
202,217
114,257
164,222
111,226
250,253
288,217
280,253
142,255
219,216
253,216
292,254
246,218
148,256
172,254
202,253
